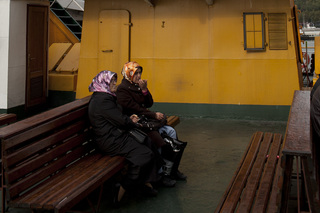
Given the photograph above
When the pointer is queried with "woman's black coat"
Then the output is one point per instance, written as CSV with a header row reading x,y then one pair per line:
x,y
132,100
108,123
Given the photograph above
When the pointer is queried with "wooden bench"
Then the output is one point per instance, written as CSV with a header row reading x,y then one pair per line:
x,y
173,120
298,150
256,184
49,162
6,119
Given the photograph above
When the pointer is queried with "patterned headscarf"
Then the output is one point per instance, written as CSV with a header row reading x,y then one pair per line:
x,y
129,69
101,83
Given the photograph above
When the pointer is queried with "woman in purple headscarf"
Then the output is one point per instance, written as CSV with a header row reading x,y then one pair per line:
x,y
110,128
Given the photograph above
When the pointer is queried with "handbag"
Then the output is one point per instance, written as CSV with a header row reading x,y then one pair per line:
x,y
149,124
175,144
138,135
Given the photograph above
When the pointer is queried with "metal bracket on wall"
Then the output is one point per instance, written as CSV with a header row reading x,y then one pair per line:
x,y
209,2
150,2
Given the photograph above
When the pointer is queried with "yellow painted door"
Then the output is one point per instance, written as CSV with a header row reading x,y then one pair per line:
x,y
114,29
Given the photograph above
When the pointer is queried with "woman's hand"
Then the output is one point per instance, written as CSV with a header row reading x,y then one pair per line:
x,y
159,115
134,118
143,84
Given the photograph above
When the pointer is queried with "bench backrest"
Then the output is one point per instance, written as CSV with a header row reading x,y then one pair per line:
x,y
6,119
38,147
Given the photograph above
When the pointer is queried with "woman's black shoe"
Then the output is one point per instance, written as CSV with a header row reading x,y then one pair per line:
x,y
116,189
167,181
151,192
179,176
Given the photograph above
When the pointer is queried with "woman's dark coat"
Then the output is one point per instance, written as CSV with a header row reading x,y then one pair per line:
x,y
110,127
133,101
108,122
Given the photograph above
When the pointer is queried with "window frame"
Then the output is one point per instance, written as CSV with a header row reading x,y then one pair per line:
x,y
263,36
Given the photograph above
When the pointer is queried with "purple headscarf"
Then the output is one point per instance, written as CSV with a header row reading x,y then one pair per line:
x,y
101,83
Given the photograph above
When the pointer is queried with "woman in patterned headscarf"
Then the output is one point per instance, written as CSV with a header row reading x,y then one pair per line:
x,y
110,134
135,98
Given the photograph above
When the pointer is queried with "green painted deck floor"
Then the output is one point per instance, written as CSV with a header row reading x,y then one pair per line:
x,y
215,147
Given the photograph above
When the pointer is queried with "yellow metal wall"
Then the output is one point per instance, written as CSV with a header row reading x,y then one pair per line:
x,y
317,53
194,53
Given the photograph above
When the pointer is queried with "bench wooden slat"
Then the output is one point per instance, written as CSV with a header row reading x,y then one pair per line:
x,y
42,118
70,182
118,163
263,194
275,199
103,170
254,178
64,188
48,187
45,171
298,136
242,175
44,143
39,161
43,128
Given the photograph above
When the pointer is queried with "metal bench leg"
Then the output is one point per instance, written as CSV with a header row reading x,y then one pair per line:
x,y
286,183
298,184
100,196
313,207
96,209
93,208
